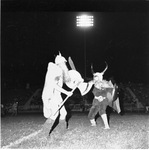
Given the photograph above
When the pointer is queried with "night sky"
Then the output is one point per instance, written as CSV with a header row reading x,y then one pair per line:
x,y
32,36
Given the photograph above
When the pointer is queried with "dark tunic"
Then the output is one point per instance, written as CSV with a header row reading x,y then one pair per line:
x,y
98,106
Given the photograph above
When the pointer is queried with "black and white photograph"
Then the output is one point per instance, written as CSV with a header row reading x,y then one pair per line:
x,y
74,74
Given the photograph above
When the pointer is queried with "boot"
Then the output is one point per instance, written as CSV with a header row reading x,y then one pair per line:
x,y
105,121
93,122
47,127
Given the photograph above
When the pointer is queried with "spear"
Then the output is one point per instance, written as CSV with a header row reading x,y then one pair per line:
x,y
62,103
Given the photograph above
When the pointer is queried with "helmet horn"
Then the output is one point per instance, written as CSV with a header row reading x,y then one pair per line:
x,y
105,68
60,53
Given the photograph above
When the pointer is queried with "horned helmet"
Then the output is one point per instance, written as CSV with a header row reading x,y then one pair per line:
x,y
60,59
99,75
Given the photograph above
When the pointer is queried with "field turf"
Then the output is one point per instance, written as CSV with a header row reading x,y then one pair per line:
x,y
130,131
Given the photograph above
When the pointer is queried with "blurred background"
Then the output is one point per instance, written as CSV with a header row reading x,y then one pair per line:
x,y
33,33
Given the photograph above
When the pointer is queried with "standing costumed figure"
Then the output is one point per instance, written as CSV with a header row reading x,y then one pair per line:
x,y
53,104
57,74
15,108
103,92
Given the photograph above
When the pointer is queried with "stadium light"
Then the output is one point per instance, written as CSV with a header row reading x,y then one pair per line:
x,y
85,21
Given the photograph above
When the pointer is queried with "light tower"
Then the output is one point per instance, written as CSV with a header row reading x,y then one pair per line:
x,y
84,21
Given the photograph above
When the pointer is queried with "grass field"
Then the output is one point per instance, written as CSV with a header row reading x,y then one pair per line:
x,y
130,131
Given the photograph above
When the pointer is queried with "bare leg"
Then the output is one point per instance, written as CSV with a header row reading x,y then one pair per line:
x,y
93,111
62,126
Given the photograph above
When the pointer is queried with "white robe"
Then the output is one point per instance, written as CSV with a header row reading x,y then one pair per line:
x,y
50,96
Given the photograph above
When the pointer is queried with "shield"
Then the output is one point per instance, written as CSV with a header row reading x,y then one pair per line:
x,y
76,77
